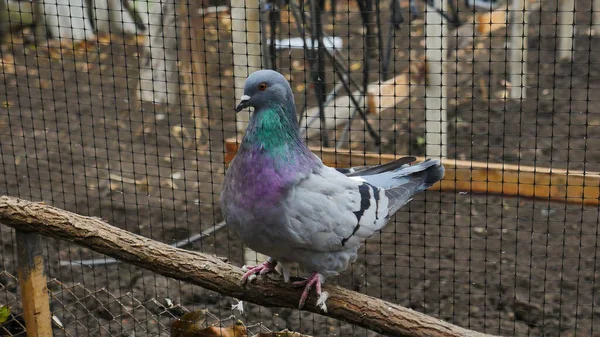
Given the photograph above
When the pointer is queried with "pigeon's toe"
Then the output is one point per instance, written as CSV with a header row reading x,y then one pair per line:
x,y
314,280
262,269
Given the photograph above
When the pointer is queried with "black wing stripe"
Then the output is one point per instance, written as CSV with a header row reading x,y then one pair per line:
x,y
376,195
365,202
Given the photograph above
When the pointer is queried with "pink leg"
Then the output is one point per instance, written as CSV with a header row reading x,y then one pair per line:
x,y
262,269
313,280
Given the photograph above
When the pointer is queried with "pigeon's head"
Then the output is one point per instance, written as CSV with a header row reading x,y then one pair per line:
x,y
264,88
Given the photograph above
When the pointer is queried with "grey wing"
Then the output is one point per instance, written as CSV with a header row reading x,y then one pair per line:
x,y
328,211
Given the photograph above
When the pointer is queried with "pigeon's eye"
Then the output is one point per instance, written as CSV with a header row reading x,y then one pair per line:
x,y
262,86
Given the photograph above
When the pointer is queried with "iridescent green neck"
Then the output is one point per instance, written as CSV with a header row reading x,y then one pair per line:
x,y
274,131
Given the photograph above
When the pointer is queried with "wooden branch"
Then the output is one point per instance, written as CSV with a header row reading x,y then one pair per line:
x,y
215,274
574,187
33,284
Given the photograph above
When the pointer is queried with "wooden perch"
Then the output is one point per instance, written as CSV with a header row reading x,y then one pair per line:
x,y
574,187
215,274
380,97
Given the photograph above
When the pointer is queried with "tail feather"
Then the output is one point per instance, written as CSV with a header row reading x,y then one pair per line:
x,y
434,172
372,170
401,184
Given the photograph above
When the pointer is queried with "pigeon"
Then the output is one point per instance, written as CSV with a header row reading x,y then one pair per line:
x,y
285,203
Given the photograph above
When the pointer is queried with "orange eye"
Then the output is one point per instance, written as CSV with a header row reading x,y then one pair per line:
x,y
262,86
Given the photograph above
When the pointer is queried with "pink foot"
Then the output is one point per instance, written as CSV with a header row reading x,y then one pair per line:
x,y
314,280
262,269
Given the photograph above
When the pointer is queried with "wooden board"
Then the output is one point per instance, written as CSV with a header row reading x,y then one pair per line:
x,y
489,22
477,177
33,284
193,59
517,53
566,30
436,88
245,39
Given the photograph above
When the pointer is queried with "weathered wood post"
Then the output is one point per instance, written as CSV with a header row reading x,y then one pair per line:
x,y
596,16
39,20
517,54
193,43
3,20
566,29
245,35
33,284
436,85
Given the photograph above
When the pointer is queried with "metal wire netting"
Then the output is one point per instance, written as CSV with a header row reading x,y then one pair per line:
x,y
79,311
124,110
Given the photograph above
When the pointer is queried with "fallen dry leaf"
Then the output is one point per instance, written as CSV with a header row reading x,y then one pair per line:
x,y
45,84
297,65
55,53
284,333
83,66
7,59
103,38
194,324
7,64
213,331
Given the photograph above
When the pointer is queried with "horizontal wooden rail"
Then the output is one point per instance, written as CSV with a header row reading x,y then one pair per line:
x,y
215,274
478,177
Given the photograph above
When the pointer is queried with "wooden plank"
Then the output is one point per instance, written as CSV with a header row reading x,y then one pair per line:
x,y
33,284
381,96
596,17
566,29
517,55
245,37
489,22
198,63
478,177
436,85
4,20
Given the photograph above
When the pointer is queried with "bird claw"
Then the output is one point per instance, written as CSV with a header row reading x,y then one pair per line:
x,y
314,280
262,269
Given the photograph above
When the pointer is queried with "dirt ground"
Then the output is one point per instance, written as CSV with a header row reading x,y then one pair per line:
x,y
73,135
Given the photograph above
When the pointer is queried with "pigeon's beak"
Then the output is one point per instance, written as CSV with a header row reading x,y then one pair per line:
x,y
243,103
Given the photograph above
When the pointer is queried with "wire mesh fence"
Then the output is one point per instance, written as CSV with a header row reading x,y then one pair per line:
x,y
79,311
124,110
